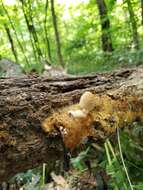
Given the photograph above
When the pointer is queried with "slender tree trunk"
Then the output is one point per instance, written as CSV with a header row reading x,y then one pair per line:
x,y
14,30
31,29
133,24
11,42
20,30
46,33
105,26
58,44
30,34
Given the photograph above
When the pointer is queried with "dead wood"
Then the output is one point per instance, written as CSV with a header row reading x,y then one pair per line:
x,y
25,103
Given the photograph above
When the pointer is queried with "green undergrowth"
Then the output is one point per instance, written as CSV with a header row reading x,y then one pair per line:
x,y
90,62
119,159
103,62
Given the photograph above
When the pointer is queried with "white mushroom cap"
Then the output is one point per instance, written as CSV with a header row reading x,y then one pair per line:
x,y
87,101
77,114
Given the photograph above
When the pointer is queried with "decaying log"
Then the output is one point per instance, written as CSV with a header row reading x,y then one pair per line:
x,y
32,107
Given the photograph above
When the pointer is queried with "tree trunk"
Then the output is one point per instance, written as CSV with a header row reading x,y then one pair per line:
x,y
11,43
14,30
26,8
37,59
34,109
46,33
105,26
57,37
133,24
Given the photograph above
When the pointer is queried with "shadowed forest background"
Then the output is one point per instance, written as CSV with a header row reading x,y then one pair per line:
x,y
76,37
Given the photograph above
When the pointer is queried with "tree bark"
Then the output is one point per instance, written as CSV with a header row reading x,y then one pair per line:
x,y
133,24
25,103
11,42
26,8
48,47
105,26
57,37
15,33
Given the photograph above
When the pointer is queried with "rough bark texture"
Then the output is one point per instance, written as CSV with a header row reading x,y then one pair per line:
x,y
26,102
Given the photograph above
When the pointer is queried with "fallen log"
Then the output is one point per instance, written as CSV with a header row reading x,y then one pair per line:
x,y
32,109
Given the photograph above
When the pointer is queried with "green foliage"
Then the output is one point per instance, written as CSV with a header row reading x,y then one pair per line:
x,y
31,180
132,155
101,62
110,161
80,33
114,169
78,162
139,186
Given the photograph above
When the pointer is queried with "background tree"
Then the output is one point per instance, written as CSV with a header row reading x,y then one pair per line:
x,y
133,24
15,32
11,42
57,37
105,26
27,11
81,32
46,32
